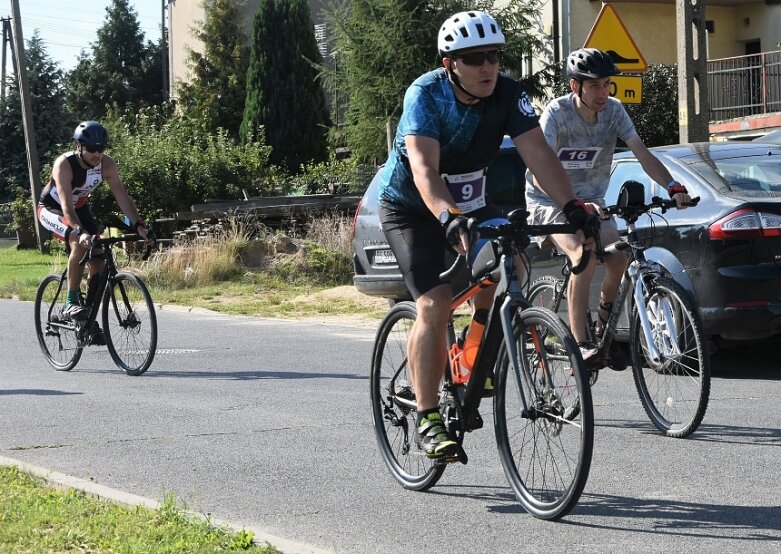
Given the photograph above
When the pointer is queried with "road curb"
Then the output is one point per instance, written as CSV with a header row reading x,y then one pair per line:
x,y
65,482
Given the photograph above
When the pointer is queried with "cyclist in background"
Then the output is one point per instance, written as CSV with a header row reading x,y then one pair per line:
x,y
582,127
451,128
64,210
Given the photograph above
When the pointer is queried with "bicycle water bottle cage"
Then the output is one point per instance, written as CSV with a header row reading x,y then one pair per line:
x,y
632,193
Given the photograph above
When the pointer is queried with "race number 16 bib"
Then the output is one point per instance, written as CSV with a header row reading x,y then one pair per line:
x,y
467,189
578,158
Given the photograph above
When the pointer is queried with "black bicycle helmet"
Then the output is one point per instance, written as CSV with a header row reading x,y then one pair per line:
x,y
91,134
590,63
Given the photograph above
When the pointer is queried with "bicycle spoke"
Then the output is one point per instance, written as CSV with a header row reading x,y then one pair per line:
x,y
674,390
393,400
546,448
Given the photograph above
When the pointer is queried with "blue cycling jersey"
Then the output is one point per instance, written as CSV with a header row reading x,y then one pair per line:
x,y
469,136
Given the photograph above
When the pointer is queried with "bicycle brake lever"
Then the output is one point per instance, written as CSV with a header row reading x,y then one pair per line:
x,y
583,263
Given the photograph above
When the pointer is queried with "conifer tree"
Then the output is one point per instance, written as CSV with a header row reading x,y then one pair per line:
x,y
53,126
120,69
284,94
214,97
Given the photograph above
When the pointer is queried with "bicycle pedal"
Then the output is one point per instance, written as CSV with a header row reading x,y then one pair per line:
x,y
459,456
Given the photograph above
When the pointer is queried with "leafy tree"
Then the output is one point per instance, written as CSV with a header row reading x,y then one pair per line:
x,y
656,117
215,95
53,126
120,70
284,95
383,45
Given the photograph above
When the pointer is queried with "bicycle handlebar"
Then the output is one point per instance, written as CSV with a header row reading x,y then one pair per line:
x,y
107,241
517,224
639,209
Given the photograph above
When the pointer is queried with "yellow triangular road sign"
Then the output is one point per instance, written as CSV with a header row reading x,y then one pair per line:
x,y
610,35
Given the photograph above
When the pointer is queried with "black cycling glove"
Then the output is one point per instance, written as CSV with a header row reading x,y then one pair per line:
x,y
576,213
453,230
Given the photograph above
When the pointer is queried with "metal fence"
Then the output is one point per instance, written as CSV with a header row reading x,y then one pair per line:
x,y
744,85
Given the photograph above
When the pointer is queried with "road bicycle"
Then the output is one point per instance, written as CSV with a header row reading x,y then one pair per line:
x,y
543,416
668,352
128,314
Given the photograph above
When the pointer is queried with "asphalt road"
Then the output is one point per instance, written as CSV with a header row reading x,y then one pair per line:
x,y
266,423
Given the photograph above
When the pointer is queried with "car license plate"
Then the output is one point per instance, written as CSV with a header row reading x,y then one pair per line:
x,y
384,257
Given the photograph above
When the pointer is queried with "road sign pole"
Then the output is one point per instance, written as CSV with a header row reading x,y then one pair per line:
x,y
693,105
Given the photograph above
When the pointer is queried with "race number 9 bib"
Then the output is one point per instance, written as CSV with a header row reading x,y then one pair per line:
x,y
578,158
467,189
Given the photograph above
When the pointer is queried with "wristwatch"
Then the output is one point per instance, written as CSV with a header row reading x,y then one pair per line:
x,y
446,216
80,231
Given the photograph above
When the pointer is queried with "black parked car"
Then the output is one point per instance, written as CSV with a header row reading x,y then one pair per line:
x,y
726,250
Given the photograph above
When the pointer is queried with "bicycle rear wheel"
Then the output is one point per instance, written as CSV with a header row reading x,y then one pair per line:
x,y
130,323
56,334
675,389
393,403
545,448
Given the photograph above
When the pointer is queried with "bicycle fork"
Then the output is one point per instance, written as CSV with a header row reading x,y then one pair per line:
x,y
663,328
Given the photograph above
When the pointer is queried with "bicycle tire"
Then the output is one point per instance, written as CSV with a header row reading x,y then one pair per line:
x,y
547,291
129,323
395,424
546,452
58,344
675,391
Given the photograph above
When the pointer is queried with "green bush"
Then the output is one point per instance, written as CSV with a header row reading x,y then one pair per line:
x,y
22,218
167,164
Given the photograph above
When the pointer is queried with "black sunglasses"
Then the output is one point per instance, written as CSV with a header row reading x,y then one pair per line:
x,y
94,149
478,58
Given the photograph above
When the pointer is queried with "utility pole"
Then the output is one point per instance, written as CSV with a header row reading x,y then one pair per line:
x,y
164,51
27,119
6,22
693,105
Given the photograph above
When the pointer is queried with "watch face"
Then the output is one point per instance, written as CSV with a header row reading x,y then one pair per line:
x,y
444,217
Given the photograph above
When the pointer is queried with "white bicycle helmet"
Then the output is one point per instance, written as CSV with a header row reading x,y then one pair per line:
x,y
468,30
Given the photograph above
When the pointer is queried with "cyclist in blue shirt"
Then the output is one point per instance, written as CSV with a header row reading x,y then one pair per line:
x,y
450,130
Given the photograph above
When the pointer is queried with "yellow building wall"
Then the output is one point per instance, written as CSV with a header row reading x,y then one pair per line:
x,y
653,27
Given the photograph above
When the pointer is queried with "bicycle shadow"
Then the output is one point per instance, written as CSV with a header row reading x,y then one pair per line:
x,y
238,375
732,434
678,517
37,392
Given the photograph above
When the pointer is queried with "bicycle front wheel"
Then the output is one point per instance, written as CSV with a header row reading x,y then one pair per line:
x,y
393,403
674,388
544,419
130,323
56,334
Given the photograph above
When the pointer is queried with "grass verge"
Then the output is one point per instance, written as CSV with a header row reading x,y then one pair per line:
x,y
37,518
281,290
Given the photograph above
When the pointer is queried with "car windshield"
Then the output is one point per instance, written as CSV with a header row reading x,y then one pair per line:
x,y
750,176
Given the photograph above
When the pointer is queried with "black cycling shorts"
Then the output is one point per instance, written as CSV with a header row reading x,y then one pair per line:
x,y
420,246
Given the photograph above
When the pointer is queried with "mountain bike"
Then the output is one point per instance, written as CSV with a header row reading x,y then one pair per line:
x,y
543,417
128,315
668,352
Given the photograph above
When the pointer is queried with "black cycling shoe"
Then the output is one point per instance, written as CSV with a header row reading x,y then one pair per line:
x,y
434,439
96,337
616,359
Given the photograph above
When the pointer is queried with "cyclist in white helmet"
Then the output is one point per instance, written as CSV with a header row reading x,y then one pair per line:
x,y
451,128
582,127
